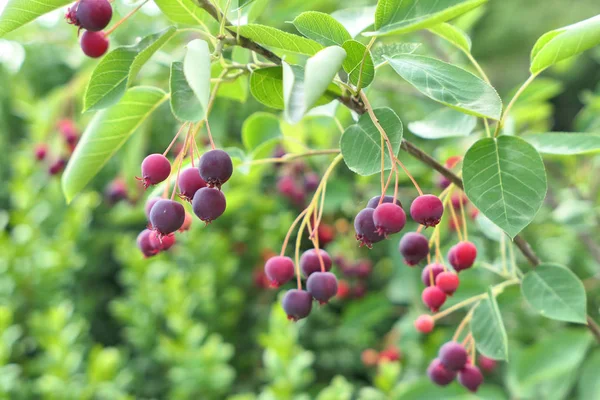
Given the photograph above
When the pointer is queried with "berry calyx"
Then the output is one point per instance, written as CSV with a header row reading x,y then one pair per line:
x,y
448,282
145,245
453,355
366,232
310,263
433,297
487,364
414,247
389,218
427,210
297,304
215,167
189,183
374,202
438,374
93,15
94,44
166,216
462,256
424,323
470,377
155,169
322,286
209,204
430,273
279,270
162,243
71,14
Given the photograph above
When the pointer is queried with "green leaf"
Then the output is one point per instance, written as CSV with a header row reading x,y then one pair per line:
x,y
563,43
266,85
20,12
301,92
183,11
449,85
505,179
402,16
361,142
106,133
488,329
356,53
454,35
443,123
565,143
555,292
322,28
356,19
589,384
275,38
392,50
196,68
259,128
117,70
184,104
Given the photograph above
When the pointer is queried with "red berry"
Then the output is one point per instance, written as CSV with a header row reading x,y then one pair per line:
x,y
286,186
155,169
439,374
145,245
57,166
414,247
453,355
68,130
424,323
487,364
430,273
427,210
389,218
209,204
366,232
40,151
462,256
326,234
390,354
94,44
162,243
433,297
187,222
167,216
189,183
93,15
452,161
322,286
448,282
470,377
343,289
279,270
374,202
297,304
310,263
215,167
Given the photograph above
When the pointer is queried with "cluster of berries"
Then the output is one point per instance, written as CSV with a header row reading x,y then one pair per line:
x,y
454,360
356,274
372,357
92,16
70,135
296,181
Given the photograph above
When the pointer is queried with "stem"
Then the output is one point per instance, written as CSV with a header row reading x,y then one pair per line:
x,y
174,139
289,232
290,157
125,18
503,254
297,252
462,324
512,103
212,143
455,220
223,19
409,176
463,218
477,67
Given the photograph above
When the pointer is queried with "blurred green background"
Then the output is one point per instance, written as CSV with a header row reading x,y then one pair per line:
x,y
84,316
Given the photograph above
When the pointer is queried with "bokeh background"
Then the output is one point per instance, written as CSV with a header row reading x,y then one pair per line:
x,y
84,316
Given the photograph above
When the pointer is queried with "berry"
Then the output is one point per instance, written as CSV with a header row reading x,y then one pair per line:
x,y
366,233
279,270
93,15
343,289
116,191
452,161
57,166
69,131
433,297
189,183
414,247
362,269
286,186
374,202
94,44
162,243
155,169
187,222
215,167
470,377
462,256
326,234
311,182
209,204
487,364
439,374
458,198
443,182
424,323
322,286
359,290
390,354
448,282
40,151
166,216
427,210
432,269
369,357
145,245
389,218
453,355
310,263
149,204
297,304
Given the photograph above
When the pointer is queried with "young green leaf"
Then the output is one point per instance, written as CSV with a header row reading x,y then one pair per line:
x,y
356,19
392,50
184,104
555,292
259,128
449,85
106,133
20,12
488,329
183,11
196,68
322,28
361,142
275,38
357,56
443,123
564,143
454,35
117,70
505,179
402,16
563,43
266,85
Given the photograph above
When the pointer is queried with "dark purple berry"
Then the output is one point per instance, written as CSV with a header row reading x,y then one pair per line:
x,y
116,191
427,210
322,286
311,182
414,247
155,169
310,263
215,167
93,15
366,232
374,202
453,355
297,304
94,44
470,377
149,204
209,204
433,297
145,245
279,270
431,271
189,183
167,216
439,374
57,166
389,218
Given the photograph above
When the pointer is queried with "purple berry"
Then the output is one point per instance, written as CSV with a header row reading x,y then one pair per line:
x,y
374,202
453,355
470,377
279,270
115,191
311,182
366,232
93,15
297,304
145,244
414,247
166,216
209,204
94,44
389,218
310,263
189,183
322,286
427,210
429,270
439,374
215,167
